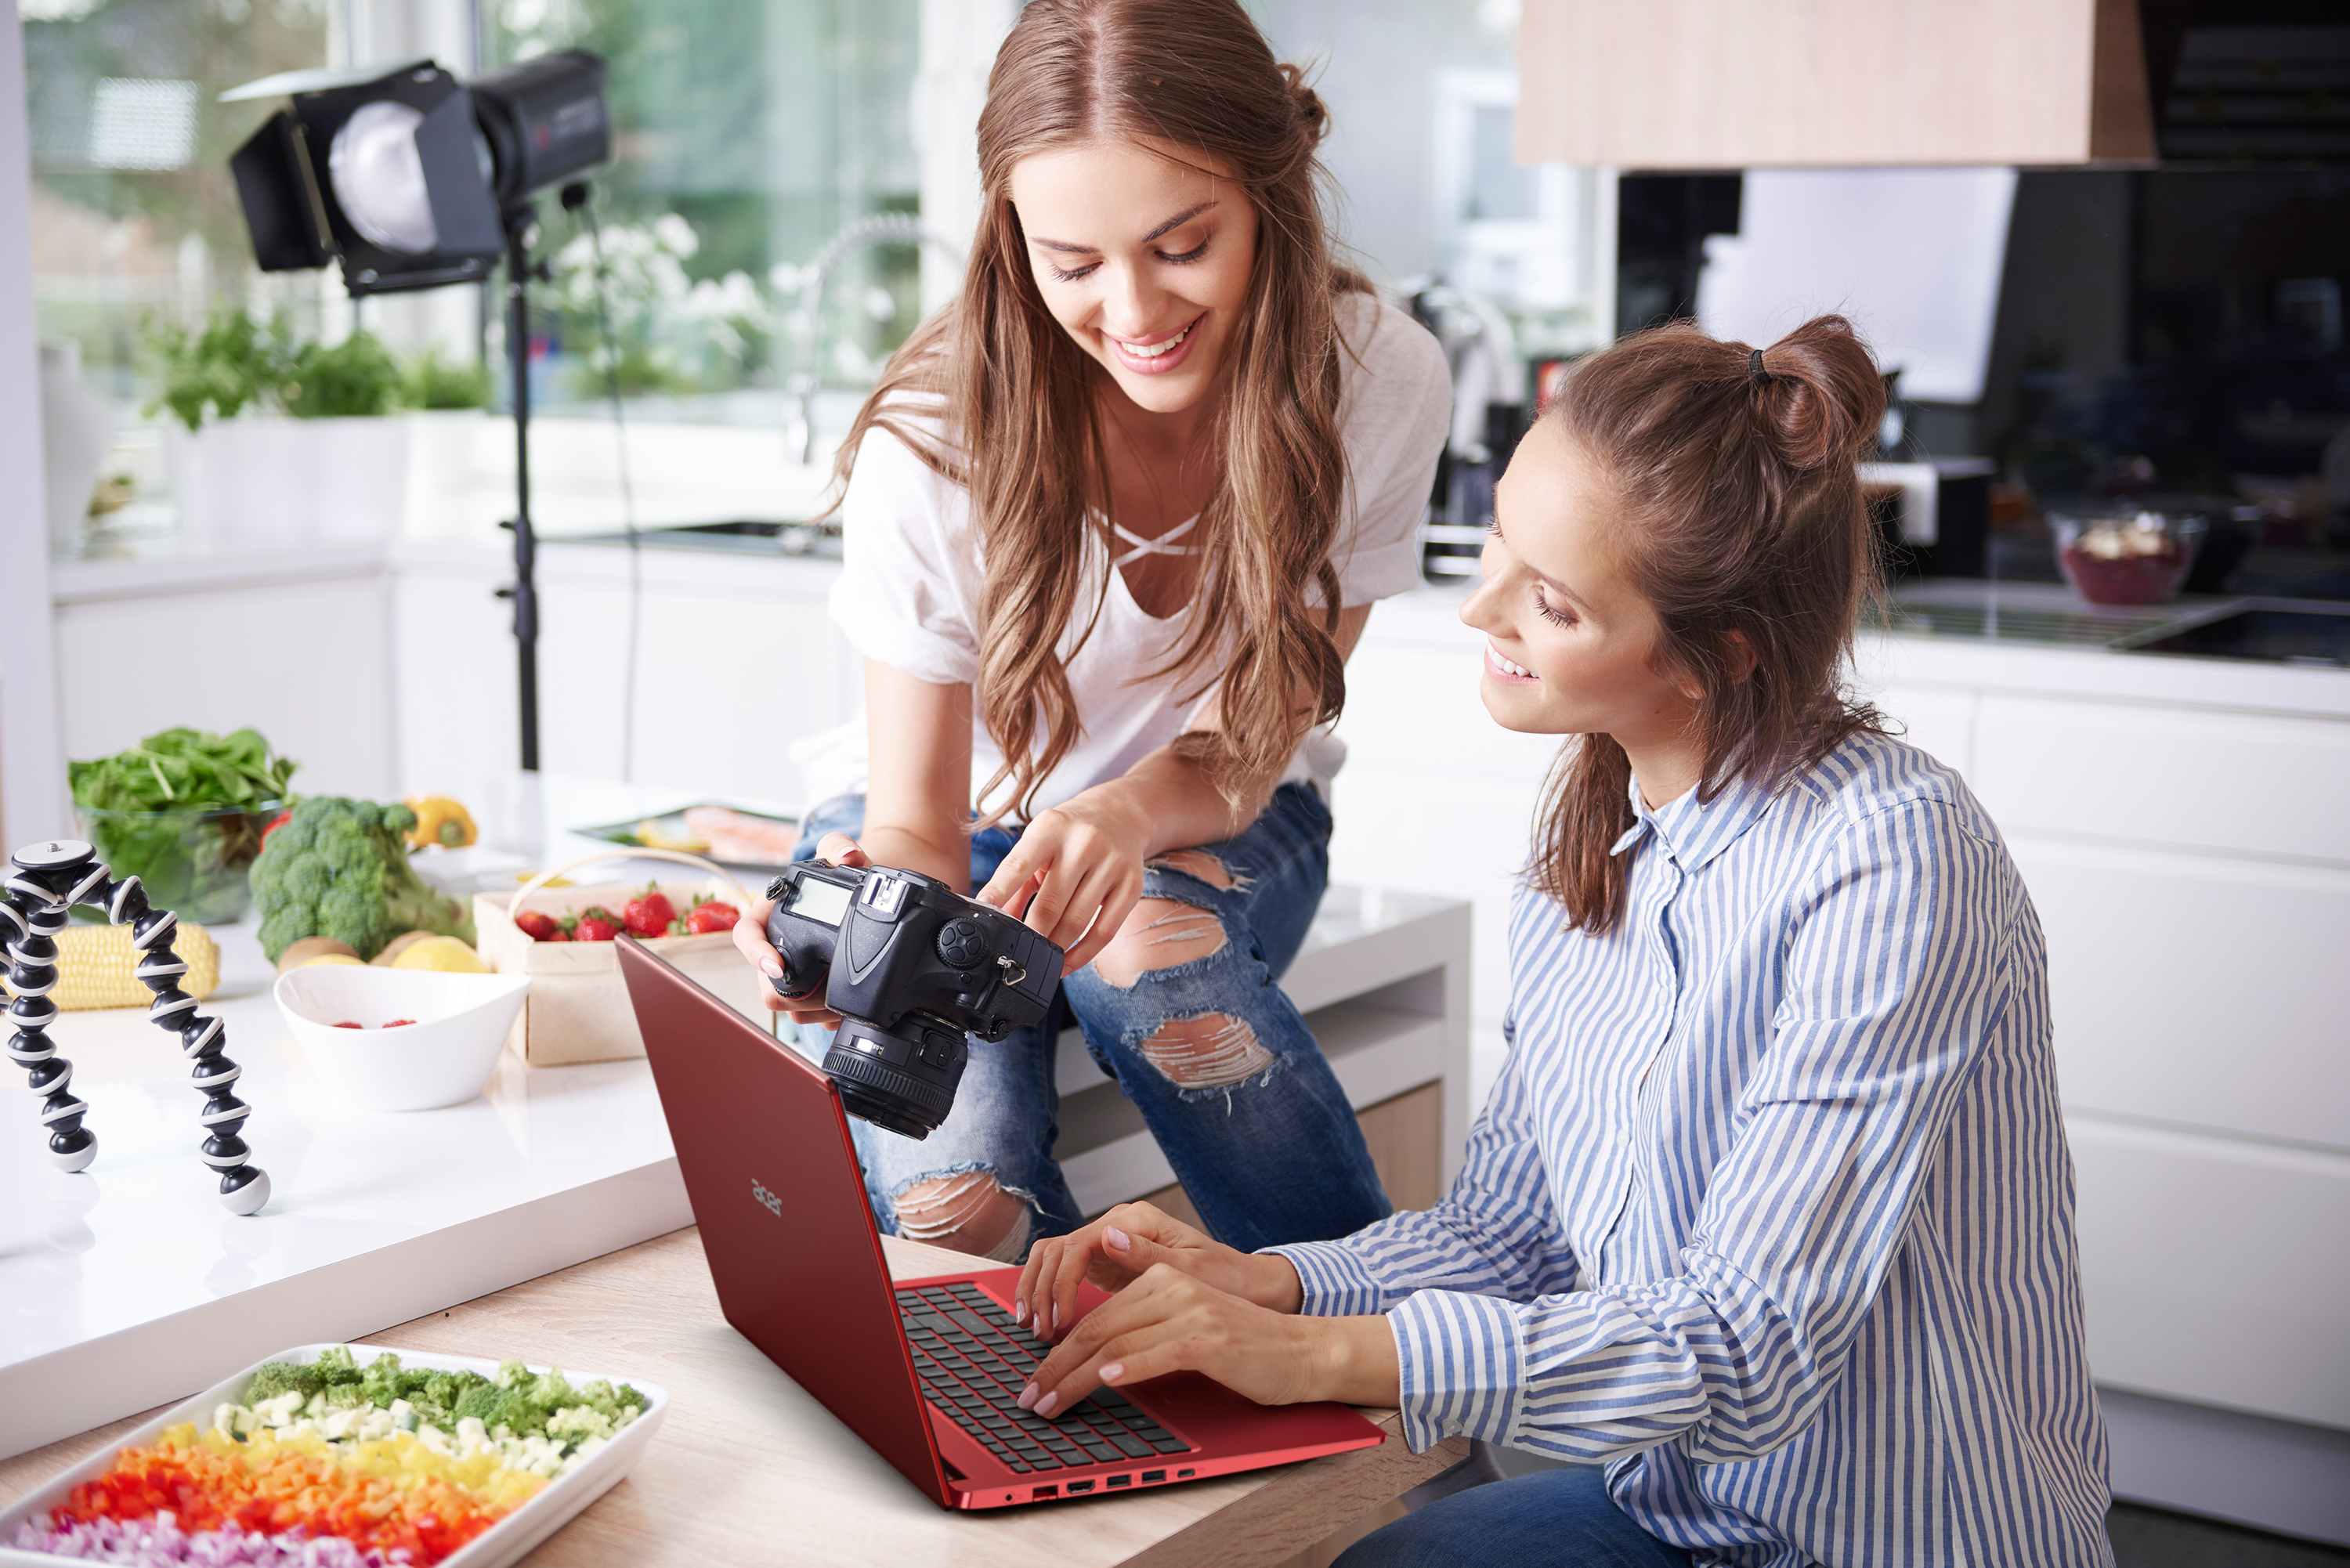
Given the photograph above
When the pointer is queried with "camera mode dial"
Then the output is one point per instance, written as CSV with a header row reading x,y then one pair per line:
x,y
963,943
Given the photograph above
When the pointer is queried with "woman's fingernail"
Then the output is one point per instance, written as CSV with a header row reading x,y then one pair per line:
x,y
1118,1238
1113,1372
1057,1316
771,969
1048,1404
1027,1400
1019,1312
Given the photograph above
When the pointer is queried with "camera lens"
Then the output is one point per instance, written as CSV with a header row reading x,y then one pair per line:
x,y
903,1080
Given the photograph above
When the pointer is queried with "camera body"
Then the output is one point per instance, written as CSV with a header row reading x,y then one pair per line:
x,y
912,966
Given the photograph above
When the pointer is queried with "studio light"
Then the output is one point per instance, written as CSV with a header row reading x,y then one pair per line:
x,y
410,179
420,172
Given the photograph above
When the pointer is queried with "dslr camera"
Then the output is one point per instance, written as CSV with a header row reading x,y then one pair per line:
x,y
911,967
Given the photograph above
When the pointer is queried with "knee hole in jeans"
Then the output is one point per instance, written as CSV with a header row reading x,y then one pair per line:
x,y
966,1212
1200,864
1212,1051
1161,933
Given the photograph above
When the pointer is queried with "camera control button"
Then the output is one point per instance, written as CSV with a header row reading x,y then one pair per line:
x,y
963,943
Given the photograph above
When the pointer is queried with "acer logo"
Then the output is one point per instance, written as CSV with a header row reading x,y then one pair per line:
x,y
770,1201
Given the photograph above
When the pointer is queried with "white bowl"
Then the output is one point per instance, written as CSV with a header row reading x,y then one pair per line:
x,y
444,1058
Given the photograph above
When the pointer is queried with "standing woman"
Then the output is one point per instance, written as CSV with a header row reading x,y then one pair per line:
x,y
1113,524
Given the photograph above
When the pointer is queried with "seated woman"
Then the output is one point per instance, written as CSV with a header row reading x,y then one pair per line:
x,y
1771,1212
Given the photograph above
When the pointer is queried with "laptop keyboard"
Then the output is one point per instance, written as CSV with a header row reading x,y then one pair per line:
x,y
974,1360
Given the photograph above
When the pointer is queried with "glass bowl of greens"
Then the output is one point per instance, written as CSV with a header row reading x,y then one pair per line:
x,y
185,812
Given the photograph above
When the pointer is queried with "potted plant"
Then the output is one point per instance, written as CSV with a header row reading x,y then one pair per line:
x,y
274,441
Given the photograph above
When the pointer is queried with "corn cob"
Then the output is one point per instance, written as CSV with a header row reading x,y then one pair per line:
x,y
94,964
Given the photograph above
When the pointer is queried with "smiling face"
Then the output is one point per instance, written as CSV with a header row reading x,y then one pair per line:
x,y
1570,644
1144,258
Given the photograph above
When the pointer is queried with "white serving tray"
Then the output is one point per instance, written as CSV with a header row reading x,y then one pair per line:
x,y
503,1543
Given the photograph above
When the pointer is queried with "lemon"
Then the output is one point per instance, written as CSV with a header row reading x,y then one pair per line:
x,y
444,953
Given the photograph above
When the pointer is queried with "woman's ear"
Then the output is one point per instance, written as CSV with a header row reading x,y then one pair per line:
x,y
1742,658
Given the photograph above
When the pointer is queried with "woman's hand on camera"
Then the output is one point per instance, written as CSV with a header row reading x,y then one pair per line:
x,y
1074,876
751,940
1125,1243
1170,1321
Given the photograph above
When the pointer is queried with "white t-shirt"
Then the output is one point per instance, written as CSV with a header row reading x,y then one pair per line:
x,y
908,591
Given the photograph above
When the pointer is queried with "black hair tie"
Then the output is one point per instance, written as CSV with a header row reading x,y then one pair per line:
x,y
1754,367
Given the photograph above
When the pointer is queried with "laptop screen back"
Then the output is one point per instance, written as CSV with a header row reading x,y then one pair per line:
x,y
777,1191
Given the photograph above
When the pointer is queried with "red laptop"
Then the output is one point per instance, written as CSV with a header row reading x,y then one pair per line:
x,y
926,1370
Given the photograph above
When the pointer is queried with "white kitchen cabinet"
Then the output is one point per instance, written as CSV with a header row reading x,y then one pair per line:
x,y
2197,990
2257,783
2214,1268
736,658
306,660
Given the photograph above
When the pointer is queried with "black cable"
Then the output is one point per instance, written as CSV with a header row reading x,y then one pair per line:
x,y
576,199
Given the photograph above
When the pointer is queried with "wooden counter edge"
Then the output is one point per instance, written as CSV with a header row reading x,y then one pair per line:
x,y
1303,1504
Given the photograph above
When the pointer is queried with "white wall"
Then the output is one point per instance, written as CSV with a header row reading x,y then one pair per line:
x,y
32,766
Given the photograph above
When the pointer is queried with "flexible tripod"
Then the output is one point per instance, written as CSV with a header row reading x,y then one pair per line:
x,y
44,882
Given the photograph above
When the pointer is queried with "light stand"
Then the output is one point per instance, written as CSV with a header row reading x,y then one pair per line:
x,y
519,222
413,179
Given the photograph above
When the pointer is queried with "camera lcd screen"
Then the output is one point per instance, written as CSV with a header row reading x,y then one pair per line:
x,y
818,900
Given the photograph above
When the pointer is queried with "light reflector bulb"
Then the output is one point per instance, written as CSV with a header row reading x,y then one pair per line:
x,y
378,178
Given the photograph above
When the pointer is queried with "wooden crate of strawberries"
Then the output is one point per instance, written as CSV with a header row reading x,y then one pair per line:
x,y
577,1009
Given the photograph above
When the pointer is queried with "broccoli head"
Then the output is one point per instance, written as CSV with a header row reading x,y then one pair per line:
x,y
339,868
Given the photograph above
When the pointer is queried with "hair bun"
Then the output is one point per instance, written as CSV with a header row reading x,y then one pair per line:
x,y
1822,395
1311,112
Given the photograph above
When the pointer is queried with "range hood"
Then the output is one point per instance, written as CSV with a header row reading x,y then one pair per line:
x,y
1738,84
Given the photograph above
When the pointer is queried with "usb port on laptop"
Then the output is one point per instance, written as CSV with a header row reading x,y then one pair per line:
x,y
1042,1491
1150,1476
1117,1481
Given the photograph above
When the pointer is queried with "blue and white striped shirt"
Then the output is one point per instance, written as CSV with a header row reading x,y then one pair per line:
x,y
1771,1208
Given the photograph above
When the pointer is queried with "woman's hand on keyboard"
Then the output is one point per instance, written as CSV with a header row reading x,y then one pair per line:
x,y
1168,1320
1125,1243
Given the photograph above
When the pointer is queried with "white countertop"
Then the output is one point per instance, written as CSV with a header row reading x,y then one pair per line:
x,y
128,1285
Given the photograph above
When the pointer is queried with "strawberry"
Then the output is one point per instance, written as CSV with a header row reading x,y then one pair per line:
x,y
538,927
399,1024
595,926
712,917
650,912
350,1026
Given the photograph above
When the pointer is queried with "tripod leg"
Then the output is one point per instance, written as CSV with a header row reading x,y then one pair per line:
x,y
243,1189
30,919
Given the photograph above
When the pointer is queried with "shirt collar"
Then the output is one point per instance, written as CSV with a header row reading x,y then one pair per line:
x,y
1691,831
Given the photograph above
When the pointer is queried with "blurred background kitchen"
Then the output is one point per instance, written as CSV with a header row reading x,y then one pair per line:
x,y
2102,247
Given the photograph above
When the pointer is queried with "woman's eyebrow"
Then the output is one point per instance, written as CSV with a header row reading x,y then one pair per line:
x,y
1177,221
1569,595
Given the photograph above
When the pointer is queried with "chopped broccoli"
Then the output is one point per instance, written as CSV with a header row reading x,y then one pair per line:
x,y
497,1407
607,1401
336,1365
283,1377
436,1402
339,868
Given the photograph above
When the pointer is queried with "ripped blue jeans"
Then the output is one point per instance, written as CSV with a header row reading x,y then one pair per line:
x,y
1227,1076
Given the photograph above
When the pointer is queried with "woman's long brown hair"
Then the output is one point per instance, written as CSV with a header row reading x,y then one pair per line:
x,y
1016,396
1732,484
